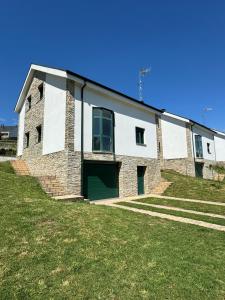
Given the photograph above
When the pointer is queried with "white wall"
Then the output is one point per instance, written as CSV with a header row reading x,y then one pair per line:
x,y
207,137
54,114
21,130
220,147
173,138
127,117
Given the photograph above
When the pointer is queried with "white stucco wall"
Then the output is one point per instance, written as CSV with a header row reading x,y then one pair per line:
x,y
54,114
207,137
21,131
173,138
127,117
220,147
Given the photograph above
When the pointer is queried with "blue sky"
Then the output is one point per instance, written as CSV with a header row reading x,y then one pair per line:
x,y
108,41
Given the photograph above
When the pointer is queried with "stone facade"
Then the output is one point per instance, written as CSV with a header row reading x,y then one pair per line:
x,y
66,164
128,172
208,172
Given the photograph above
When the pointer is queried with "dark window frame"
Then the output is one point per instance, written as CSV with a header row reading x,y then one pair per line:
x,y
198,146
101,136
41,91
140,136
208,148
27,139
39,133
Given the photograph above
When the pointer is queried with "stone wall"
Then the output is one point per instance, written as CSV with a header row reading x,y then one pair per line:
x,y
128,171
184,166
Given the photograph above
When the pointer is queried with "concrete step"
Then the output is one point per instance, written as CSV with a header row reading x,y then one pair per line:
x,y
69,198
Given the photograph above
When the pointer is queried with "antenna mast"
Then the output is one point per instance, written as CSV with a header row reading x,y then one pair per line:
x,y
142,73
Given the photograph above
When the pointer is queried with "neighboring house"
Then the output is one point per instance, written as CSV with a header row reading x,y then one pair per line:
x,y
187,146
8,140
204,150
98,142
219,139
8,132
177,147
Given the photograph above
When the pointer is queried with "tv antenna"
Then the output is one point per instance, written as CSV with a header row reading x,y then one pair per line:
x,y
205,110
142,73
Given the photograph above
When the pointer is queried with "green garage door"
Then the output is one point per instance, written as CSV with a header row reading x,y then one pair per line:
x,y
100,180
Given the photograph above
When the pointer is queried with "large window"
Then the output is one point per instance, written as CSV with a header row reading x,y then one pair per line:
x,y
140,136
103,130
198,146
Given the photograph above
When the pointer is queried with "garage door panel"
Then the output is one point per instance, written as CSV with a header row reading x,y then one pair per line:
x,y
100,181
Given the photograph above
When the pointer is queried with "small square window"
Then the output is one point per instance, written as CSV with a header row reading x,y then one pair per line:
x,y
208,148
39,133
140,136
27,139
29,103
41,90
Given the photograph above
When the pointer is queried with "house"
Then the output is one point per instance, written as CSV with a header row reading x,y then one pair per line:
x,y
177,147
96,141
8,132
219,139
8,141
187,146
204,150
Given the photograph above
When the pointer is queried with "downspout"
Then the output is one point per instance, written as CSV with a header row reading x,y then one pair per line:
x,y
82,139
193,147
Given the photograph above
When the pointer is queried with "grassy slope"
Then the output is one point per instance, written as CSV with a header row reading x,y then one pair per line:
x,y
80,251
194,188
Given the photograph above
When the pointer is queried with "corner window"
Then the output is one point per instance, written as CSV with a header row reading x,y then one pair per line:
x,y
198,146
29,103
41,90
208,148
27,139
39,133
140,136
103,130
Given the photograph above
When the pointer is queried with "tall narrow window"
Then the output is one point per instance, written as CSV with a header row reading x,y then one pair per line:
x,y
29,103
102,130
27,139
208,148
41,90
198,146
140,136
39,133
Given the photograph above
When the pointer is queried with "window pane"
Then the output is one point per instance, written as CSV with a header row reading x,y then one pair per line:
x,y
106,144
96,126
107,114
97,112
96,143
106,127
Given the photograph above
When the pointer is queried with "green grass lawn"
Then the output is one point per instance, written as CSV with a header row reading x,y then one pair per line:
x,y
194,188
53,250
206,208
188,215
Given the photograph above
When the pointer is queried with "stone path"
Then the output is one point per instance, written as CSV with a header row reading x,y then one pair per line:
x,y
186,200
169,217
115,203
180,209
